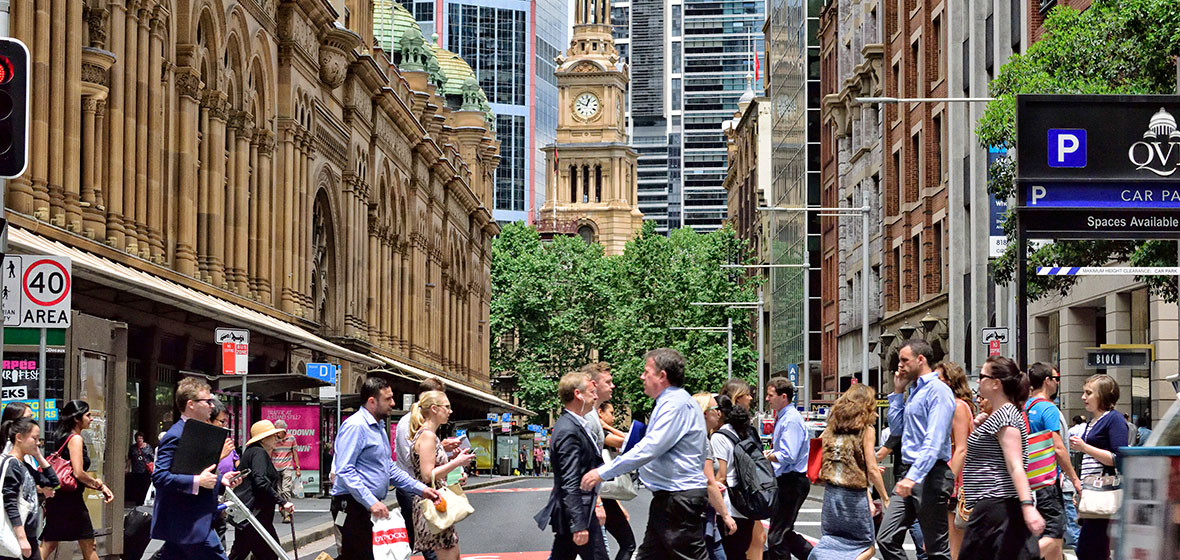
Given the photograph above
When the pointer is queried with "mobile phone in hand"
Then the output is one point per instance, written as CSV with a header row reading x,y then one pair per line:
x,y
241,474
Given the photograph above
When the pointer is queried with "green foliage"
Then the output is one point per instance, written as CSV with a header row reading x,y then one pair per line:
x,y
560,301
1115,47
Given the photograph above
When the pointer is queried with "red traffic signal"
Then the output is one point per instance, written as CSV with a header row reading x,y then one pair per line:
x,y
14,107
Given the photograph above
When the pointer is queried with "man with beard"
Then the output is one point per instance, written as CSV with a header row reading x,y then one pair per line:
x,y
1044,415
364,469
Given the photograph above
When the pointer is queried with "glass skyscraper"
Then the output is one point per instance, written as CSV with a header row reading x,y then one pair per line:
x,y
510,44
793,89
691,60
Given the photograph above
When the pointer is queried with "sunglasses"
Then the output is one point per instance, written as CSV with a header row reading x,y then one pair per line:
x,y
985,376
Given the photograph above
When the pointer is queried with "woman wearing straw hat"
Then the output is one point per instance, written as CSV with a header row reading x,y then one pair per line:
x,y
260,492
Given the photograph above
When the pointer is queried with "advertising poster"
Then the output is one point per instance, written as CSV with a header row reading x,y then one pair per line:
x,y
481,445
20,380
1146,492
303,422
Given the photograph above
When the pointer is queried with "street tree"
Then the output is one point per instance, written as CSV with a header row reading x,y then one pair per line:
x,y
1114,47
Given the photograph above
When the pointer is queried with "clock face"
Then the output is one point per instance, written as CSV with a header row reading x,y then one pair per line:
x,y
586,105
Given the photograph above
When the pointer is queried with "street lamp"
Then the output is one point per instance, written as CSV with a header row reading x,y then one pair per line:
x,y
864,211
757,305
906,330
929,322
728,330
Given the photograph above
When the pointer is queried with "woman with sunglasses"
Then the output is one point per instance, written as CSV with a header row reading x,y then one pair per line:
x,y
1004,520
430,463
713,533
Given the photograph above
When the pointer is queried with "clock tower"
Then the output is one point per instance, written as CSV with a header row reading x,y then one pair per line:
x,y
591,182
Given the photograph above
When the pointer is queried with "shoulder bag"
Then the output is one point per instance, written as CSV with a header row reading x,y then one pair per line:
x,y
1042,456
457,508
621,488
63,468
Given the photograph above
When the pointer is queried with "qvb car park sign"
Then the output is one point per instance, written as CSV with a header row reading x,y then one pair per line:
x,y
1093,167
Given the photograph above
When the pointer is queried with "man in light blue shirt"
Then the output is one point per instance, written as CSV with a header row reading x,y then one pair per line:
x,y
790,450
671,462
925,423
364,468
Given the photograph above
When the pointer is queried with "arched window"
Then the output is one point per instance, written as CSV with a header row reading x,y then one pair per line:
x,y
573,183
585,183
323,279
586,233
597,183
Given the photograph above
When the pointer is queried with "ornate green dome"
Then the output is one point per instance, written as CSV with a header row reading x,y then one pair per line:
x,y
456,69
391,20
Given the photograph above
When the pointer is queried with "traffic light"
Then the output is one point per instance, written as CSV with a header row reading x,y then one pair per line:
x,y
14,107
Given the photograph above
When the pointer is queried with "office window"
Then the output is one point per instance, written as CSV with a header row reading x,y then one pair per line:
x,y
1016,9
916,269
898,278
677,56
938,151
915,160
940,48
676,94
966,66
677,27
938,253
916,63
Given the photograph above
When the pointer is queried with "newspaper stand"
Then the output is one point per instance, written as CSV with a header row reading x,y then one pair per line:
x,y
238,512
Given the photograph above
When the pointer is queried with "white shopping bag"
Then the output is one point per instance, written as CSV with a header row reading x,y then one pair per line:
x,y
390,539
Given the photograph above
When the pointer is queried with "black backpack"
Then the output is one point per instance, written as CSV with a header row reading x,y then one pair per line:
x,y
756,493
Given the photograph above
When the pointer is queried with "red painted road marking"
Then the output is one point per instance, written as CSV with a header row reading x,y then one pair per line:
x,y
539,555
507,490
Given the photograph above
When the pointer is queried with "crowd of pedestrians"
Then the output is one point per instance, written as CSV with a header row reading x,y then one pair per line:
x,y
980,474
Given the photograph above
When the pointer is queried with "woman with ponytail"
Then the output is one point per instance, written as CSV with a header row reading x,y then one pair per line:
x,y
430,463
1004,519
66,515
21,480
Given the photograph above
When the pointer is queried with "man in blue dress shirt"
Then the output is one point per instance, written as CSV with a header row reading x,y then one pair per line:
x,y
789,456
364,468
671,462
925,424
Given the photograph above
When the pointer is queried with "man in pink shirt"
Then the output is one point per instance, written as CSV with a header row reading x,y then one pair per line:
x,y
286,461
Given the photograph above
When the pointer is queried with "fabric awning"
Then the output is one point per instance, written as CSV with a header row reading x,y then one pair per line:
x,y
267,386
452,384
109,273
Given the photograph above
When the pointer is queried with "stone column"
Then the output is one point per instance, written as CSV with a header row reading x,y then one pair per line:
x,y
203,167
266,259
188,91
72,219
1163,334
393,269
113,195
255,218
287,202
241,206
233,129
217,177
156,155
300,221
125,207
95,64
57,114
444,323
1075,334
140,245
373,311
1118,331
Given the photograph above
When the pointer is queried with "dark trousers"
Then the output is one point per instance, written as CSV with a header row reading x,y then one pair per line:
x,y
208,550
675,526
594,549
405,502
356,534
736,544
247,541
137,485
927,505
1094,540
782,541
619,528
997,530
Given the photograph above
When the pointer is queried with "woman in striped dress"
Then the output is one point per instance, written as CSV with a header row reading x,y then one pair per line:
x,y
1100,444
1004,520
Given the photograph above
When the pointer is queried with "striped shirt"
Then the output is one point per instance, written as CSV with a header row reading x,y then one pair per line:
x,y
985,474
283,455
1108,432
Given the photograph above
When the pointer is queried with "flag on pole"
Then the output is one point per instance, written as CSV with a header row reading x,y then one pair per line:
x,y
756,69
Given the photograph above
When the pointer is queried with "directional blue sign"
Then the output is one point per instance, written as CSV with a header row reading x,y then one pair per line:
x,y
1102,195
793,373
506,417
323,372
460,432
493,417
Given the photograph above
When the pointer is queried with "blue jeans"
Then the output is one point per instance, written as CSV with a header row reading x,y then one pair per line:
x,y
919,543
1072,529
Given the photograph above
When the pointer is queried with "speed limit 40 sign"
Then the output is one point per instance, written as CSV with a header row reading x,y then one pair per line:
x,y
36,291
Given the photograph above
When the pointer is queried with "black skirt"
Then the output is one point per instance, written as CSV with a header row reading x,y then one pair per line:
x,y
66,517
997,530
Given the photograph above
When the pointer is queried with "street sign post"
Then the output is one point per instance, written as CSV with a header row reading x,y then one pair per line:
x,y
998,334
328,374
235,359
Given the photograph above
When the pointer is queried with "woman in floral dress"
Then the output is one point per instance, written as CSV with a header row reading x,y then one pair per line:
x,y
431,464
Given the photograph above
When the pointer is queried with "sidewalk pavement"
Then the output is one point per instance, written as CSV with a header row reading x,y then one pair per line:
x,y
313,530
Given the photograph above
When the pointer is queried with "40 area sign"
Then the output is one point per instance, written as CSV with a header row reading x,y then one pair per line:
x,y
36,291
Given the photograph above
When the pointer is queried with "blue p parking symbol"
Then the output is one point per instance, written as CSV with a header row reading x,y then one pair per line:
x,y
1067,147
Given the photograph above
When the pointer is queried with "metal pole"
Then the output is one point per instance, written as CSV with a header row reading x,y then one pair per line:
x,y
761,398
245,410
338,399
864,290
805,367
41,377
729,347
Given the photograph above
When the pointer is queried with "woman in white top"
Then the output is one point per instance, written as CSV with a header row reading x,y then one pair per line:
x,y
736,426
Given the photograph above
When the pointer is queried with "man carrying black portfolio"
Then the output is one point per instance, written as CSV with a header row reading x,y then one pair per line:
x,y
186,503
570,510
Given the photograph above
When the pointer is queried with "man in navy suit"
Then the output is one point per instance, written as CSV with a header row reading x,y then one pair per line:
x,y
186,504
570,510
